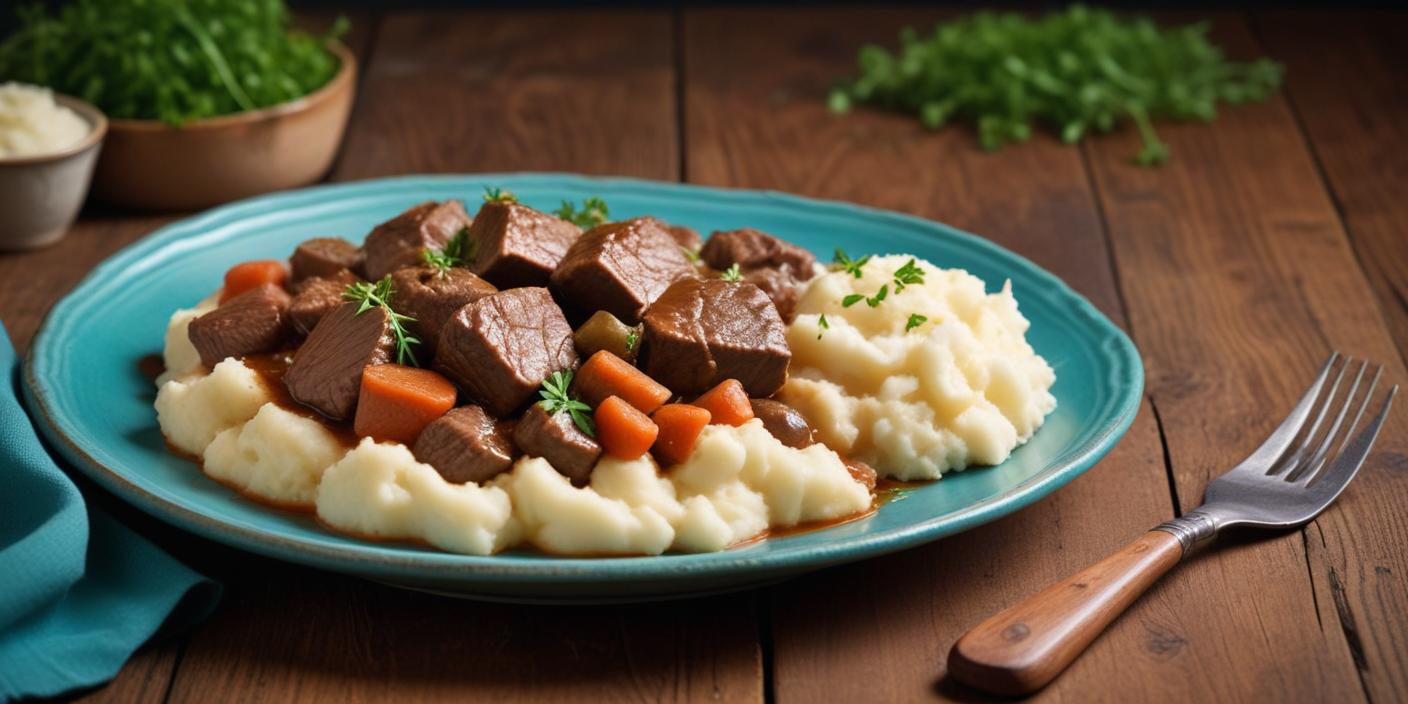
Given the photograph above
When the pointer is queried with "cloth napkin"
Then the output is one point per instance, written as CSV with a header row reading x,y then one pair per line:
x,y
79,591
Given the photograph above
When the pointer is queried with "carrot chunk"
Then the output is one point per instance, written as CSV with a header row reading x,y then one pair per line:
x,y
605,374
623,431
397,402
247,276
728,403
680,425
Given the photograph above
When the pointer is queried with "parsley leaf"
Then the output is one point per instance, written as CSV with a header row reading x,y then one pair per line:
x,y
594,212
852,299
915,320
874,301
732,273
907,275
848,265
368,295
558,399
632,338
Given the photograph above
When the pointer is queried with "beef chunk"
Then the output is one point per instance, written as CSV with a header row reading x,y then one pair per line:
x,y
776,266
516,245
323,257
686,237
326,374
783,422
621,268
467,445
703,331
399,241
555,438
253,322
316,297
862,472
500,348
431,298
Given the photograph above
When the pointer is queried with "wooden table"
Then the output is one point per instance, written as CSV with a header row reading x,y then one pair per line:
x,y
1272,237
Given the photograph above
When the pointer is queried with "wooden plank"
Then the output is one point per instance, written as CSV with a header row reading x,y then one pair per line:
x,y
1240,280
755,86
470,92
1344,80
143,680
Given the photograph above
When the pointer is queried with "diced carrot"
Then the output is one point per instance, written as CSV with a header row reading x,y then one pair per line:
x,y
728,403
397,402
623,431
247,276
680,425
605,374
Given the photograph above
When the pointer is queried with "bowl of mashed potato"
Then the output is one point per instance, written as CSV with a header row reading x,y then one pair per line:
x,y
48,147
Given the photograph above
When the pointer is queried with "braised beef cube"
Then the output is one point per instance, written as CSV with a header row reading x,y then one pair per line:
x,y
781,286
253,322
316,297
749,248
467,445
326,374
703,331
399,242
686,237
557,439
621,268
500,348
784,422
863,473
323,257
432,297
515,245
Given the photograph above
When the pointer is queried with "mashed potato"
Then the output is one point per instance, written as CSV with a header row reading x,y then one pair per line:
x,y
32,123
193,411
278,456
962,388
178,355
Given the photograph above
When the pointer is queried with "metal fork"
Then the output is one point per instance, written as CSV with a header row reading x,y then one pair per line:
x,y
1295,474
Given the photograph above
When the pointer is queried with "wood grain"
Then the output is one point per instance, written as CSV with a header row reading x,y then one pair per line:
x,y
755,86
483,91
1344,80
1020,649
1239,280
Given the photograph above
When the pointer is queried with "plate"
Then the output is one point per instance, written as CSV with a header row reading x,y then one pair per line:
x,y
83,386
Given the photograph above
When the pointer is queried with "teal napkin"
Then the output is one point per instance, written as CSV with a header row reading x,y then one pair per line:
x,y
79,592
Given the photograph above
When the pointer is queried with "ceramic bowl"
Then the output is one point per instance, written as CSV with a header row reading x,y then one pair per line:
x,y
40,195
150,165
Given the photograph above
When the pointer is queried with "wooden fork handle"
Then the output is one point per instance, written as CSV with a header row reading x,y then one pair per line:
x,y
1023,648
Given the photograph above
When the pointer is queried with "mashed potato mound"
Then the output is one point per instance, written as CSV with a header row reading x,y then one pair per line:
x,y
278,456
380,490
962,388
178,354
193,411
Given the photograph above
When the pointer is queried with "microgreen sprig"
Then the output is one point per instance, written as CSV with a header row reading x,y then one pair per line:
x,y
558,399
594,212
457,251
499,195
733,273
632,338
907,275
848,265
368,295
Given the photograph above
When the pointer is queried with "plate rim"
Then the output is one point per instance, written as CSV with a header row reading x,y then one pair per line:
x,y
417,564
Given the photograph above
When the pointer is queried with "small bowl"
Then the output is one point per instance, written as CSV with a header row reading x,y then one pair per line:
x,y
150,165
41,195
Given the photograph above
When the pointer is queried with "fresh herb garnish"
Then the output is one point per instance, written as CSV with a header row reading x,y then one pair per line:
x,y
822,326
691,254
594,212
169,60
907,275
732,273
874,301
499,195
1080,70
915,320
456,252
369,296
557,399
852,299
848,265
632,338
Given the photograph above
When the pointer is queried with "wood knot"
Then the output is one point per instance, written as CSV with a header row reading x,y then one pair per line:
x,y
1016,632
1163,643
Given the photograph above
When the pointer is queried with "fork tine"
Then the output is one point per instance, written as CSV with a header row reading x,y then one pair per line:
x,y
1280,440
1347,464
1307,471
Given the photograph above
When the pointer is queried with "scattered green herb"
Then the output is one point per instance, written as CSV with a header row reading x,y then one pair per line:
x,y
594,212
848,265
499,195
732,273
691,254
169,60
907,275
915,320
852,299
632,338
558,399
456,252
369,296
874,301
1078,70
822,326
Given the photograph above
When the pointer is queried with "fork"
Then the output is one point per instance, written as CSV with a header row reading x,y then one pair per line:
x,y
1295,474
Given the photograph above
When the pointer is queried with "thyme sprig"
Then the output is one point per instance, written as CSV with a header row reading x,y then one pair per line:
x,y
368,295
594,212
499,195
557,398
733,273
459,250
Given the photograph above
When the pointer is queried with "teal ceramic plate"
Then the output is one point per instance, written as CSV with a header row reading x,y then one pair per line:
x,y
84,387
